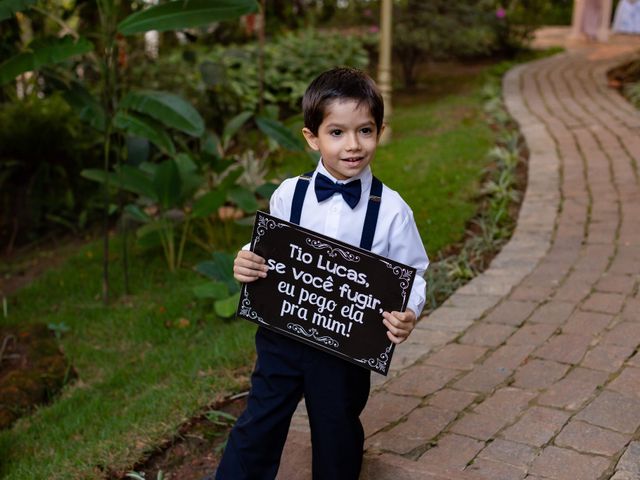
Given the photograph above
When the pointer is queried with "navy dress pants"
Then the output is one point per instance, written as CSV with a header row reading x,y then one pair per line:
x,y
335,393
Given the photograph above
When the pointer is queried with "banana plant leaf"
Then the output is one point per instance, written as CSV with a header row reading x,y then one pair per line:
x,y
128,178
86,106
140,126
167,108
208,203
233,126
8,8
281,134
42,53
243,198
167,184
182,14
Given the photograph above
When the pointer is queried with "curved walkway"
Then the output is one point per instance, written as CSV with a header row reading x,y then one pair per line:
x,y
530,370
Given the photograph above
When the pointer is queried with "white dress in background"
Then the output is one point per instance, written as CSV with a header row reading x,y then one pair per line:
x,y
627,17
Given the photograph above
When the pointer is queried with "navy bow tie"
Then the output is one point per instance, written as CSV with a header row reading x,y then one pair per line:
x,y
350,192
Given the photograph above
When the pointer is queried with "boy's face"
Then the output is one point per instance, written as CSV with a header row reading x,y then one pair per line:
x,y
347,138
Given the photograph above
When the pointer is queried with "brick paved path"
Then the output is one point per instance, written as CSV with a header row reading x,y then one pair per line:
x,y
530,370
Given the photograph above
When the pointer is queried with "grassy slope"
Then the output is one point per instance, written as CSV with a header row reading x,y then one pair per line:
x,y
141,375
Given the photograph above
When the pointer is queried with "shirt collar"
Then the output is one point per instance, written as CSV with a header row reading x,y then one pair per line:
x,y
365,176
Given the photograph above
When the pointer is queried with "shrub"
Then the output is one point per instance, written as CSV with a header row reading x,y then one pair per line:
x,y
43,147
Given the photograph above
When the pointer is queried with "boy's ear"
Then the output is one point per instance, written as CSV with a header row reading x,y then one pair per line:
x,y
382,127
311,139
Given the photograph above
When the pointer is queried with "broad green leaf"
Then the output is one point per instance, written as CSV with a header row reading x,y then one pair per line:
x,y
138,150
137,213
88,108
227,308
153,229
211,144
43,53
182,14
220,269
8,8
232,127
243,198
191,179
167,184
146,128
208,203
214,290
128,178
281,134
266,190
167,108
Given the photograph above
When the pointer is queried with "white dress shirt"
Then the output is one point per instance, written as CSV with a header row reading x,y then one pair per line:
x,y
396,235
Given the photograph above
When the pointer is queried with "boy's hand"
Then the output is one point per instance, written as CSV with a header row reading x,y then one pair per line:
x,y
248,267
400,324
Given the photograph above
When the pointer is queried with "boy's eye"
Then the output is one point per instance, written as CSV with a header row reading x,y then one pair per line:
x,y
367,130
335,132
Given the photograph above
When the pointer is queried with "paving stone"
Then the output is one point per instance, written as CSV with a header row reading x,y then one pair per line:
x,y
452,451
456,356
422,426
628,382
564,348
482,427
534,334
513,453
538,374
588,438
624,334
573,391
587,323
630,460
625,476
635,360
555,313
537,426
487,334
614,411
385,408
631,310
573,290
509,357
562,464
508,403
604,302
421,380
497,470
511,312
482,379
612,283
453,400
535,293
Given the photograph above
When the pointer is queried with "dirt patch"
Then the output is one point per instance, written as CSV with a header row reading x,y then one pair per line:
x,y
32,370
196,449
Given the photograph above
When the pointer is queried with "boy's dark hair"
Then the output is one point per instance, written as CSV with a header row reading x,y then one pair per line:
x,y
341,83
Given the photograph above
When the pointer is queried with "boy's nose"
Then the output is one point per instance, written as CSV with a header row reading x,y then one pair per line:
x,y
353,143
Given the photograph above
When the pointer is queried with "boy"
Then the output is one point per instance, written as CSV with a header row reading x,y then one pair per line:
x,y
343,112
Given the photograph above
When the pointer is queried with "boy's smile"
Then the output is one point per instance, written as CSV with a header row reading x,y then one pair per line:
x,y
347,138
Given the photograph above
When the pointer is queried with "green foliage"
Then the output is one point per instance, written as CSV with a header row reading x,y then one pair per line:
x,y
632,92
223,81
42,53
223,288
183,14
43,147
8,8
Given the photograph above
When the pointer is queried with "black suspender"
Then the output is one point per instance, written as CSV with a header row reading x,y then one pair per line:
x,y
298,197
371,216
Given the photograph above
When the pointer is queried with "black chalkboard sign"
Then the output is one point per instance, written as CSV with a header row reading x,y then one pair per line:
x,y
325,293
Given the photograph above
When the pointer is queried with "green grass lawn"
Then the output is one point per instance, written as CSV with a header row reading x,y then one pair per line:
x,y
157,357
